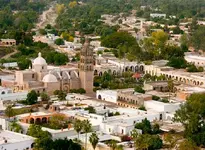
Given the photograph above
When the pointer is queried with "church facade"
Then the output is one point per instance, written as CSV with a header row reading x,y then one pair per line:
x,y
42,79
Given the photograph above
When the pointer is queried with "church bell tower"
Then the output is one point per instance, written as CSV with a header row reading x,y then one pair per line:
x,y
86,67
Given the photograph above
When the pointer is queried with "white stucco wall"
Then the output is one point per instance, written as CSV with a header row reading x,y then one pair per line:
x,y
107,95
14,96
17,146
161,107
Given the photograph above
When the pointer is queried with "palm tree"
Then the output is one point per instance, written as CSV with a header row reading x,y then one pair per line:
x,y
94,140
119,147
87,127
9,112
78,126
112,144
170,87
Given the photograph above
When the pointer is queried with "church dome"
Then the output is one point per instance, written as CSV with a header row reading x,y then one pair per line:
x,y
39,60
49,78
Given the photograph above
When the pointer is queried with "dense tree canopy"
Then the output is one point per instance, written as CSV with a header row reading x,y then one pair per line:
x,y
44,140
191,115
32,97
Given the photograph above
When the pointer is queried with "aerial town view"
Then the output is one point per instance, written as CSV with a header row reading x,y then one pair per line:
x,y
102,74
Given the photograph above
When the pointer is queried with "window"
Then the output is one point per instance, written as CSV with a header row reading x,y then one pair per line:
x,y
32,75
109,130
3,92
134,122
42,67
122,131
160,117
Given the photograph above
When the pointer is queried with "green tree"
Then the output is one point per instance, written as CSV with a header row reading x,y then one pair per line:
x,y
60,8
9,112
59,41
87,127
139,89
147,141
191,116
177,62
145,126
94,140
61,94
42,31
24,63
112,144
31,97
58,121
170,87
78,126
156,128
43,138
154,97
142,108
44,97
14,126
188,145
171,140
64,144
90,109
198,38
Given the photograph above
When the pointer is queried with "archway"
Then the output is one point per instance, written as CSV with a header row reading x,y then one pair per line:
x,y
160,117
44,120
99,97
132,68
37,121
31,121
100,74
177,78
95,72
141,68
136,68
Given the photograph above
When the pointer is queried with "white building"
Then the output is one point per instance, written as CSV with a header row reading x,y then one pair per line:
x,y
107,95
156,15
180,75
161,107
197,60
11,64
8,94
15,141
125,123
4,123
107,62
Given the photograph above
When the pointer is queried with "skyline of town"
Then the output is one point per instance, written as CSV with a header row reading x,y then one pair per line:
x,y
102,75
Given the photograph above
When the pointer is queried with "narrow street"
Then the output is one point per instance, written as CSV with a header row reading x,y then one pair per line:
x,y
47,17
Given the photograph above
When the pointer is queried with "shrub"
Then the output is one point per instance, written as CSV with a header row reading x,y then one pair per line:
x,y
154,97
142,108
139,89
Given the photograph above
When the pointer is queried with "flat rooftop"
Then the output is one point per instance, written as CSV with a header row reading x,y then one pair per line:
x,y
13,137
158,83
35,114
182,72
190,89
196,57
